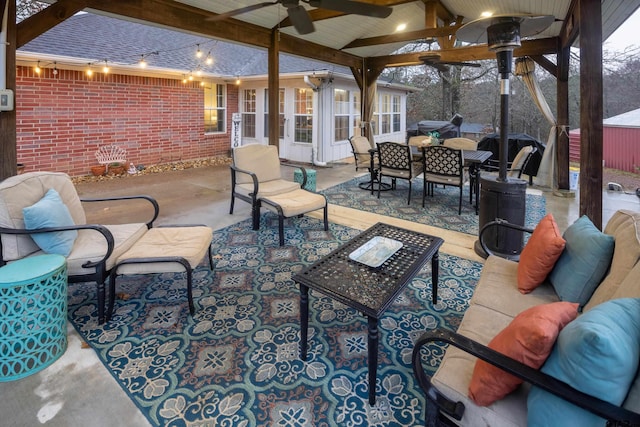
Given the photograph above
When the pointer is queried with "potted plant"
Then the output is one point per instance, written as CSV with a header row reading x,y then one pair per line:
x,y
98,170
116,168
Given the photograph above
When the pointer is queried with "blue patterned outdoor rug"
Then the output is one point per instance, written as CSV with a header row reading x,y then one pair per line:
x,y
236,361
440,211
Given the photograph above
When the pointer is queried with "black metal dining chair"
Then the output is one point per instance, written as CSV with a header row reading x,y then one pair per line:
x,y
396,161
443,165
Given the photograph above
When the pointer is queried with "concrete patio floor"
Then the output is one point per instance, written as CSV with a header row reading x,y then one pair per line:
x,y
78,391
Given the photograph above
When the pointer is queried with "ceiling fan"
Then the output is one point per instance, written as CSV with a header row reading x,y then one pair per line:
x,y
300,17
432,59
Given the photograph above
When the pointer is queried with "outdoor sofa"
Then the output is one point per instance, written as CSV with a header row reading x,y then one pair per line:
x,y
615,303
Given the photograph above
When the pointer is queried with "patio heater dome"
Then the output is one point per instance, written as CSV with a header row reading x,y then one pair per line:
x,y
502,197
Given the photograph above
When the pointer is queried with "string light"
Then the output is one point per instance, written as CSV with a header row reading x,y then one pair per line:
x,y
142,63
238,80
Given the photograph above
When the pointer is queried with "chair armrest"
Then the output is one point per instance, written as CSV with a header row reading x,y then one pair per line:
x,y
154,203
235,170
499,222
616,415
304,176
108,236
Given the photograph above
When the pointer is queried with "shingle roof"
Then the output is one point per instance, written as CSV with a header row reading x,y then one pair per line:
x,y
94,38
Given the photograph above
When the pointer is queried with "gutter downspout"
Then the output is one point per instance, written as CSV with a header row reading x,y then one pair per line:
x,y
316,109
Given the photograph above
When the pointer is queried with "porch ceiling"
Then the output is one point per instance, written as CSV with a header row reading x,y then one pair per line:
x,y
345,39
372,37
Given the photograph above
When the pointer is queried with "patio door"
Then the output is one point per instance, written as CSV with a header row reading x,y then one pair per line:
x,y
298,124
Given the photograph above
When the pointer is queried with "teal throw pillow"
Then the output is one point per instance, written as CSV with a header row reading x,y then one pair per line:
x,y
50,211
583,263
597,354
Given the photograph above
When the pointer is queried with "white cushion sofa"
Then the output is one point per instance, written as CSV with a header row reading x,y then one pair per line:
x,y
494,305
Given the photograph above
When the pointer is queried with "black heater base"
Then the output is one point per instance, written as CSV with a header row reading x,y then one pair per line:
x,y
505,200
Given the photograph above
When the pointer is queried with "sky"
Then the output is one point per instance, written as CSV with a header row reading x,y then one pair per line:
x,y
626,35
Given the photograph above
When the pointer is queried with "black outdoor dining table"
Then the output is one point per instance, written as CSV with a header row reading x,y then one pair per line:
x,y
474,159
368,289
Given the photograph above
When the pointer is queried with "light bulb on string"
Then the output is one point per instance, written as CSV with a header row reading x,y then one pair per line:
x,y
55,69
105,69
198,72
190,77
198,52
209,59
184,79
238,80
142,63
89,71
37,68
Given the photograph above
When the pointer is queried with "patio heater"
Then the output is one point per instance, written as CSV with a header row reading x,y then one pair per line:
x,y
500,196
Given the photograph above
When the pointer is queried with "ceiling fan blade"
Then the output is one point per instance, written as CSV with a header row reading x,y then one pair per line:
x,y
300,19
245,9
440,67
463,64
353,7
434,60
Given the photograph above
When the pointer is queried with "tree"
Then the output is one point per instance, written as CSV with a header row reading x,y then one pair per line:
x,y
26,8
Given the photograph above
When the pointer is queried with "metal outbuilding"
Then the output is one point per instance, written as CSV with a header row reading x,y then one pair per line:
x,y
620,141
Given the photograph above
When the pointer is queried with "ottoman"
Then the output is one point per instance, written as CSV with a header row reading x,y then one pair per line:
x,y
170,249
295,203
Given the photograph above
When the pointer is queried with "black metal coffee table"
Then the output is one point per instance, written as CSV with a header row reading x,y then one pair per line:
x,y
370,290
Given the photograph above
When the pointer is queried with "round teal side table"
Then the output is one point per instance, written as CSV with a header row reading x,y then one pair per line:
x,y
33,315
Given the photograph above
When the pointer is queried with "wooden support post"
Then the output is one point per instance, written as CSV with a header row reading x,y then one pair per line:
x,y
591,110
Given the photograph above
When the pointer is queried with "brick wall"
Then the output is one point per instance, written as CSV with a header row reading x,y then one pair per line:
x,y
62,119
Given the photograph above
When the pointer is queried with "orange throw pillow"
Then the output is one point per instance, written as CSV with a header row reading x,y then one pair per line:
x,y
539,254
529,339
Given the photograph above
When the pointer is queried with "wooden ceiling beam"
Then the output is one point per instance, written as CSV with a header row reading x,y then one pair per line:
x,y
468,53
405,37
430,14
571,25
47,18
546,64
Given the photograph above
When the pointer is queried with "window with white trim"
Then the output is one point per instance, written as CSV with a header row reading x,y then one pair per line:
x,y
280,115
357,115
341,114
215,111
249,113
303,115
